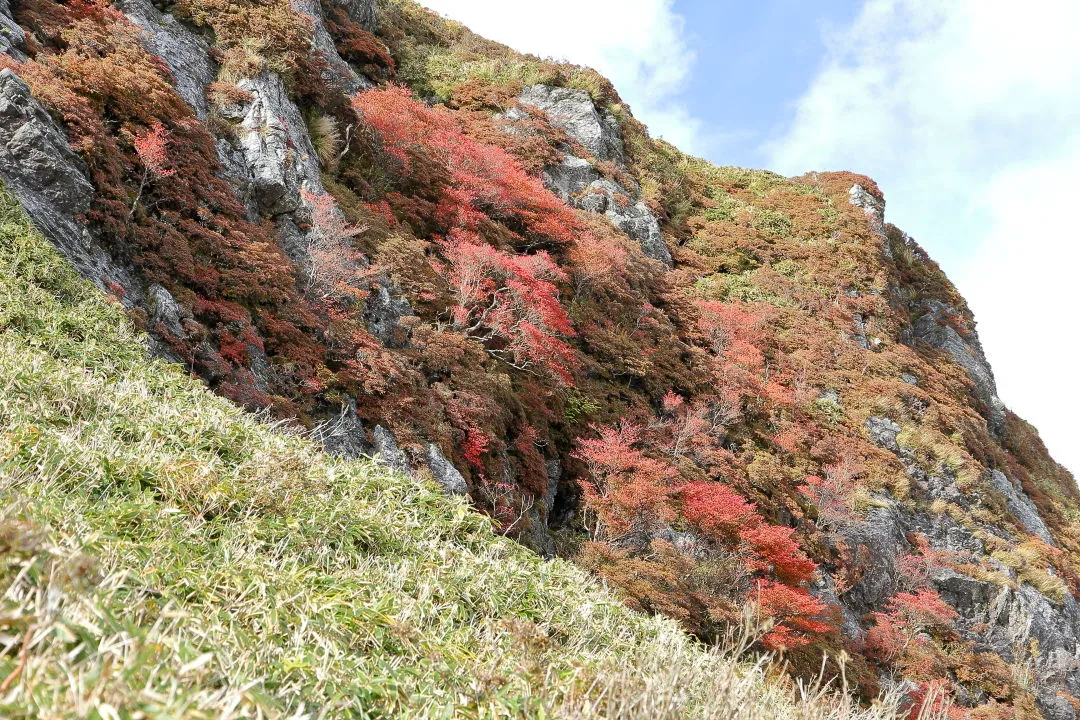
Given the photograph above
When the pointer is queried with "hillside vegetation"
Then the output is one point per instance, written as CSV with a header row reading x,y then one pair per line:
x,y
735,398
164,554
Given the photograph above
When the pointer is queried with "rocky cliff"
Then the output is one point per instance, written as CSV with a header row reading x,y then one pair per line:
x,y
711,386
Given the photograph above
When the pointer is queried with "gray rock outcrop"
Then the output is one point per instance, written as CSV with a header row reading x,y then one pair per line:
x,y
1012,618
934,325
186,53
872,206
340,72
273,142
628,214
574,112
933,328
163,310
385,449
1020,625
384,312
444,471
362,12
12,36
578,181
1021,506
45,175
344,435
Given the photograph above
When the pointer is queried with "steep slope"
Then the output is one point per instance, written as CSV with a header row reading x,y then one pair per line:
x,y
163,554
713,387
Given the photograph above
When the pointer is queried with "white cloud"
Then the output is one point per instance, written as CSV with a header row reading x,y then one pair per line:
x,y
968,114
637,44
1023,284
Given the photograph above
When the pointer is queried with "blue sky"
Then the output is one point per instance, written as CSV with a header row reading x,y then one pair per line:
x,y
751,60
966,113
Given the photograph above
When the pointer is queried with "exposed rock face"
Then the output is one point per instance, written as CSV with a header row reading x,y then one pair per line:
x,y
344,435
444,471
574,112
1021,506
50,181
629,215
385,309
12,37
186,53
881,538
872,206
1010,621
935,325
276,149
578,181
1021,624
340,72
570,177
386,450
164,309
362,12
933,328
884,432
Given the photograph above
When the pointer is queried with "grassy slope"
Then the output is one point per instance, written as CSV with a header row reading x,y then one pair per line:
x,y
164,554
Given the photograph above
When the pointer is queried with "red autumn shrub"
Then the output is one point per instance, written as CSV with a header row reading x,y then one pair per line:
x,y
485,180
778,550
599,262
736,335
510,303
902,636
717,509
629,492
795,615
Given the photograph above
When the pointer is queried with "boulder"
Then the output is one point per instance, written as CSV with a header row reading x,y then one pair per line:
x,y
163,309
344,435
387,451
444,471
883,433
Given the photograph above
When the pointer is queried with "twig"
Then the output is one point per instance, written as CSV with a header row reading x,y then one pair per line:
x,y
24,654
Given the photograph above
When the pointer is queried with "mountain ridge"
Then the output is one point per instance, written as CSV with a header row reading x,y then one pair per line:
x,y
711,386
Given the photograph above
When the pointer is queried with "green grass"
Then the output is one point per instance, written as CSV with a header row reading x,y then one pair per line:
x,y
165,555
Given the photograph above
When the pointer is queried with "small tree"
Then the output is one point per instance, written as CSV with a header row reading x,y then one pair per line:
x,y
791,614
335,269
511,304
152,147
629,492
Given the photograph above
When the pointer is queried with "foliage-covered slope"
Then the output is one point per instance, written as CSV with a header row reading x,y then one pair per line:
x,y
716,388
164,554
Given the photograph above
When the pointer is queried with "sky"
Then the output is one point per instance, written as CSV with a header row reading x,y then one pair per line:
x,y
966,113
